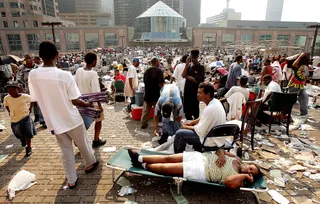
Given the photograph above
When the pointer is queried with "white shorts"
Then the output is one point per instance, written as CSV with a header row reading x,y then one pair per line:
x,y
194,166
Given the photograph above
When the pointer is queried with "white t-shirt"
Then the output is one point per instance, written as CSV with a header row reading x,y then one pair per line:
x,y
87,81
132,74
177,74
212,115
316,73
54,89
234,89
272,87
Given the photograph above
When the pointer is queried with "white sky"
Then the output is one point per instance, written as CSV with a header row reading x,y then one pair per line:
x,y
293,10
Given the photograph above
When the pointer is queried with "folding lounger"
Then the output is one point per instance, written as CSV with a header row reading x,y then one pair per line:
x,y
121,161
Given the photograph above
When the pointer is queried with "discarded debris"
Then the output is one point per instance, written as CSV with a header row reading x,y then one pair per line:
x,y
21,181
109,149
278,197
123,182
3,157
297,167
126,190
9,146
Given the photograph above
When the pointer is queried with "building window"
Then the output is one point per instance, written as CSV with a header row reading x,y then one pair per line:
x,y
265,37
300,40
31,7
35,8
228,39
57,36
15,14
33,41
13,4
92,40
72,41
23,13
246,38
1,5
209,39
3,14
1,46
5,24
22,5
15,24
35,24
14,42
284,40
111,39
25,24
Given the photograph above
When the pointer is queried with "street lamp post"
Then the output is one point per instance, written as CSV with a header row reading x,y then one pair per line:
x,y
314,38
52,24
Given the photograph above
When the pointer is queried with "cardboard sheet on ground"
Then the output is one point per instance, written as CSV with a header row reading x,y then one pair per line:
x,y
3,157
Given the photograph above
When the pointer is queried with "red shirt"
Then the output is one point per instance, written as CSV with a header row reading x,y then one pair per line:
x,y
120,77
283,64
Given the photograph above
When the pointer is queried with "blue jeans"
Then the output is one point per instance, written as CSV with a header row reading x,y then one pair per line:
x,y
87,120
184,137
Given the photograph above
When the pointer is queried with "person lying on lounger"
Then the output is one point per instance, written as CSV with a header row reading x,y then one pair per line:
x,y
216,167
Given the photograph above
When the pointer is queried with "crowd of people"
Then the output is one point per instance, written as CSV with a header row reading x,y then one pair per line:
x,y
174,89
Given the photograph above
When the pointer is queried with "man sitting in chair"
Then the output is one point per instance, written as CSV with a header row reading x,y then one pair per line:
x,y
193,133
117,76
271,87
219,167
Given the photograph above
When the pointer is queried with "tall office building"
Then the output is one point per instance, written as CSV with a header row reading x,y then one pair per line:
x,y
125,11
50,8
192,12
226,14
274,10
85,12
176,5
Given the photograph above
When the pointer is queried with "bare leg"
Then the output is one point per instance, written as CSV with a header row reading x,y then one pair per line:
x,y
173,169
97,130
175,158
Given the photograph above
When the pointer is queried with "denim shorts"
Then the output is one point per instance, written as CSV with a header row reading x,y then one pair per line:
x,y
24,128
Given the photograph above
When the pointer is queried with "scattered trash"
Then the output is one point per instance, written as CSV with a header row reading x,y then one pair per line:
x,y
305,156
278,132
126,190
21,181
2,127
269,149
297,167
283,138
138,132
9,146
246,156
3,157
146,145
268,156
278,197
265,165
109,149
305,127
258,137
123,182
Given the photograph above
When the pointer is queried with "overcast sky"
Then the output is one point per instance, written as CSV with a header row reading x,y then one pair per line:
x,y
293,10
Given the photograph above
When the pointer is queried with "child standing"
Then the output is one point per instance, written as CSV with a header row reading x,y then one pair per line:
x,y
19,107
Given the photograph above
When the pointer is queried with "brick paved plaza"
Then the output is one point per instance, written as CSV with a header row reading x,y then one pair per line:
x,y
97,187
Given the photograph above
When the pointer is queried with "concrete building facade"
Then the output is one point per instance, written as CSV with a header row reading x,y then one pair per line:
x,y
226,14
192,12
274,10
26,40
125,11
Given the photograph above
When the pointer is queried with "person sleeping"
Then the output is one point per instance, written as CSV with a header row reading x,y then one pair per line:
x,y
216,167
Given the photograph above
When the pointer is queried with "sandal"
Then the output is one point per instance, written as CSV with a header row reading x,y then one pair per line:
x,y
73,186
92,167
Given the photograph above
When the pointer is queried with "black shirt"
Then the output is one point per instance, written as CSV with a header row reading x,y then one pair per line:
x,y
152,79
197,72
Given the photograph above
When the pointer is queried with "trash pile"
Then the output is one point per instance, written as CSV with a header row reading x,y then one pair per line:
x,y
285,159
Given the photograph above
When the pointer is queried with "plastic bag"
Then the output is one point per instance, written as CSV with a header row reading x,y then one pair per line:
x,y
21,181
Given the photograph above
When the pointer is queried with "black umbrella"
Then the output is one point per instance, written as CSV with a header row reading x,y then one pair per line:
x,y
7,59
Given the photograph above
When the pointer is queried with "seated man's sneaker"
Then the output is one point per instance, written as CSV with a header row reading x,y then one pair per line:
x,y
98,143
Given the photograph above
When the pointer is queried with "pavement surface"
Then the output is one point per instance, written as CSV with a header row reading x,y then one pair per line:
x,y
97,187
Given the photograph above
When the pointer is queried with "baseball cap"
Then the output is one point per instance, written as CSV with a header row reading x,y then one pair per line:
x,y
12,84
136,59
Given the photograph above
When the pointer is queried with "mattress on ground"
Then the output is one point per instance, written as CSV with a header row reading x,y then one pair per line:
x,y
122,159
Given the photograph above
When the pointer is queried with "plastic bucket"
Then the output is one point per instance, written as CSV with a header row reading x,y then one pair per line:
x,y
139,98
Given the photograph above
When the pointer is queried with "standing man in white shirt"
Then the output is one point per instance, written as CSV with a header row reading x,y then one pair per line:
x,y
57,94
193,133
88,82
177,74
131,84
